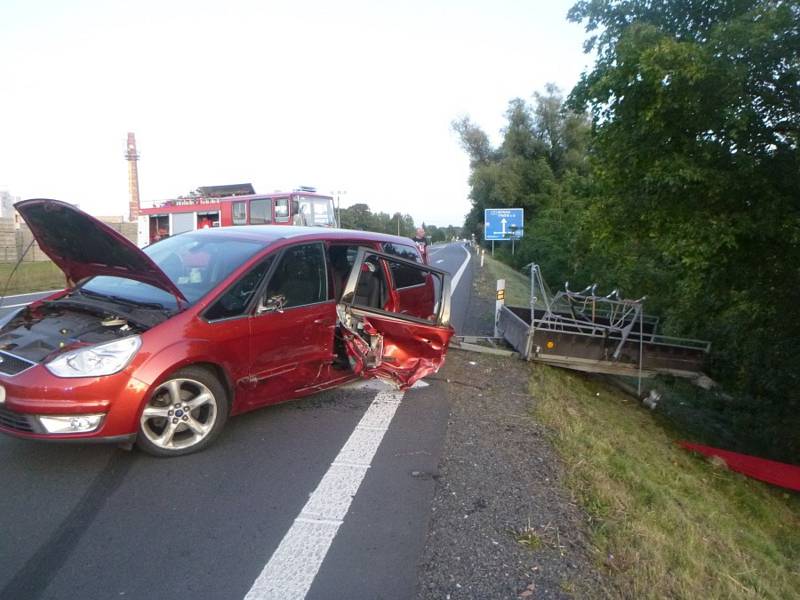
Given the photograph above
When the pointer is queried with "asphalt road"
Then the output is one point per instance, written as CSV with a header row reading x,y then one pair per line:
x,y
12,303
290,502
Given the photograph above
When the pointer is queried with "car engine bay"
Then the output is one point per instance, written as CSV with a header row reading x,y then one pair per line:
x,y
38,333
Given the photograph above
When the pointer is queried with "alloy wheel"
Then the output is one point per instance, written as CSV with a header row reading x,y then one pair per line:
x,y
181,413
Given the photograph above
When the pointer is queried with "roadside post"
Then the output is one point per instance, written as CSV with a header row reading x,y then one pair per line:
x,y
483,253
498,303
513,237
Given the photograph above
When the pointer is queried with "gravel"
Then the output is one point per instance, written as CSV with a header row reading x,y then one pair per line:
x,y
502,523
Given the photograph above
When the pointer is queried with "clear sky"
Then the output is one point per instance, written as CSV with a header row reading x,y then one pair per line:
x,y
341,95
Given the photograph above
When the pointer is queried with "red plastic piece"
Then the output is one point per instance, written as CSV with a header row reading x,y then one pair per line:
x,y
777,473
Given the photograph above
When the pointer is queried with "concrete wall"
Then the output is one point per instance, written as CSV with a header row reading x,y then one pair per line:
x,y
8,241
14,241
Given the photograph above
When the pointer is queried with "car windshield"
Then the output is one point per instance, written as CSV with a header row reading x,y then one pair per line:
x,y
194,262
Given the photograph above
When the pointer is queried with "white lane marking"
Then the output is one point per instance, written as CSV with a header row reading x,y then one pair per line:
x,y
378,385
14,305
460,272
440,261
44,293
294,565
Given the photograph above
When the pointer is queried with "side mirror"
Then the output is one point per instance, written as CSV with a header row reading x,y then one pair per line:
x,y
272,304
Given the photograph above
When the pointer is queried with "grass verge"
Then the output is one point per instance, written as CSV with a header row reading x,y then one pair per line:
x,y
729,421
31,277
518,285
664,523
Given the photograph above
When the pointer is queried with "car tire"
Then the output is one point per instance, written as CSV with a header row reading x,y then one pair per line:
x,y
184,414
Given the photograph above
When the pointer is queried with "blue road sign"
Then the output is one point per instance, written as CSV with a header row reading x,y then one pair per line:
x,y
503,223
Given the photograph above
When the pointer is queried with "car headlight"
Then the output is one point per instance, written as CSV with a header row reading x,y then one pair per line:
x,y
95,361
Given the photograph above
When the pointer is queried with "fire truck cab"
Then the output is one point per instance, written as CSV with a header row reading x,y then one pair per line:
x,y
303,206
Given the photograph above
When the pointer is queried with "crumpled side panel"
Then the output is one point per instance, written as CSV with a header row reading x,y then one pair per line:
x,y
399,352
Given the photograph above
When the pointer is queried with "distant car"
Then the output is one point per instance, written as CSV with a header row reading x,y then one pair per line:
x,y
159,346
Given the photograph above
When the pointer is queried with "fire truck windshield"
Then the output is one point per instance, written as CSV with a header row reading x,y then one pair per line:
x,y
316,211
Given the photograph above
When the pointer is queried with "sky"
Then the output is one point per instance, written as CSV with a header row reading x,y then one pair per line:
x,y
352,96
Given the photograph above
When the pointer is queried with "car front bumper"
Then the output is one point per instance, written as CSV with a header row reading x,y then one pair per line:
x,y
37,393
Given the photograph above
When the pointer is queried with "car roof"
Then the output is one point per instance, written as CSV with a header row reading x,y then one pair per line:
x,y
270,234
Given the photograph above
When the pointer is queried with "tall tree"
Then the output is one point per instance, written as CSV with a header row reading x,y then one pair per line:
x,y
537,167
357,216
696,116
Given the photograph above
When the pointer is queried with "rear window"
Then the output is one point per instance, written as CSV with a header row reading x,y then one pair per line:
x,y
405,276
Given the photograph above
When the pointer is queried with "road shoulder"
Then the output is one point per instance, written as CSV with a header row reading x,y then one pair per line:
x,y
502,523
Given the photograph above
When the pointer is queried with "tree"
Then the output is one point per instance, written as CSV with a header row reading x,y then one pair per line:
x,y
474,141
696,116
540,166
357,216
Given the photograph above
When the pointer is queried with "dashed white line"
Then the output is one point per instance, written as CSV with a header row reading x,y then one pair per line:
x,y
293,566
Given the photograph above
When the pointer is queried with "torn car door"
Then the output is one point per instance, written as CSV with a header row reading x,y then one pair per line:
x,y
381,341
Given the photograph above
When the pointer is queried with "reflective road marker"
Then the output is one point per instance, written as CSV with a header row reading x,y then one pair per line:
x,y
294,565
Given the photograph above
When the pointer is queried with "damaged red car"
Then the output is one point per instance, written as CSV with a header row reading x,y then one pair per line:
x,y
160,346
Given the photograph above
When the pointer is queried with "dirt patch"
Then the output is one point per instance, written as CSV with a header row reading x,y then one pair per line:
x,y
502,524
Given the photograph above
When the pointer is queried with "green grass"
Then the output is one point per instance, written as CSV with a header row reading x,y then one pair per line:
x,y
716,417
665,523
31,277
518,285
528,537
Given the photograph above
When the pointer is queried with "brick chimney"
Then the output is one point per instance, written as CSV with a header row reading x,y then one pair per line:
x,y
133,178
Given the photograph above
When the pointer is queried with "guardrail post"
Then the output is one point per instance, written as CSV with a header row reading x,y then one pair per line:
x,y
498,303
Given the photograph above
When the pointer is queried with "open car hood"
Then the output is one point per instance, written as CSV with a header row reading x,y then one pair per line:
x,y
83,247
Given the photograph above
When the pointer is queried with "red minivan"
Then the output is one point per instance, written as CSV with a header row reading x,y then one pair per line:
x,y
161,345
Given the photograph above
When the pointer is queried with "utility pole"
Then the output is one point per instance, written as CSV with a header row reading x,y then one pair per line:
x,y
339,193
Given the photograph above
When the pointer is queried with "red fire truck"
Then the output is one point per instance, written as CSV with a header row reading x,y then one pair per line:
x,y
228,205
